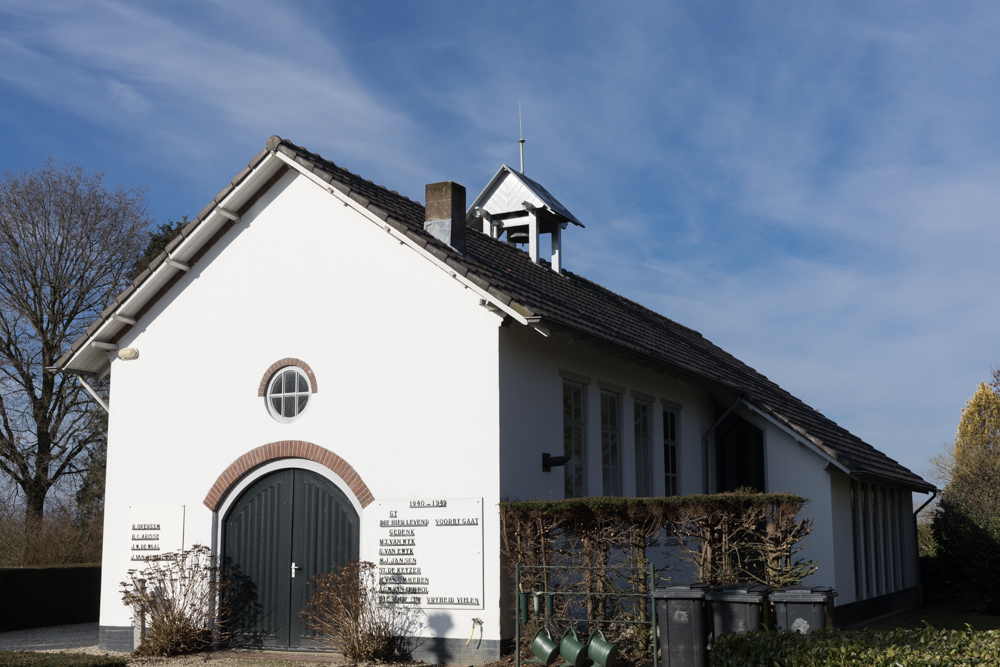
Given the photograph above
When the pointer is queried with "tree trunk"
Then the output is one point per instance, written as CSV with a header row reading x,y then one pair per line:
x,y
34,502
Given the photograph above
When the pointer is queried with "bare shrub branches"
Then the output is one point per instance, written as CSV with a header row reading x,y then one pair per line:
x,y
67,241
602,547
344,610
188,603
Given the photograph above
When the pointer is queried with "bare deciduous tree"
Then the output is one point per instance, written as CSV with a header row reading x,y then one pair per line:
x,y
67,241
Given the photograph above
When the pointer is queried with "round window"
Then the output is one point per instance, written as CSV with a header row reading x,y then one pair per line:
x,y
288,393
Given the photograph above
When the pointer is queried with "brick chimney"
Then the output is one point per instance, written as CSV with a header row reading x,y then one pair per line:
x,y
444,215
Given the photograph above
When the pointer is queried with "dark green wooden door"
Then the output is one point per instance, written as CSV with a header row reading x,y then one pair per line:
x,y
283,529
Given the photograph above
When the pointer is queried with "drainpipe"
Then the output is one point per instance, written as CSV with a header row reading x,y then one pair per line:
x,y
916,546
90,390
929,501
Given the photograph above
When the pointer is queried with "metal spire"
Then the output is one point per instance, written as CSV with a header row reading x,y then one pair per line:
x,y
520,129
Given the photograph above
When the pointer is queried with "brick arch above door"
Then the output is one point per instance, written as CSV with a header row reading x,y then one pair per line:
x,y
287,449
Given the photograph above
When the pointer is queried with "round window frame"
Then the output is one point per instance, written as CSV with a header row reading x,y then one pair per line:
x,y
300,373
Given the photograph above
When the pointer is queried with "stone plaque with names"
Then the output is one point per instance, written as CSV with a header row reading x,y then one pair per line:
x,y
155,531
430,552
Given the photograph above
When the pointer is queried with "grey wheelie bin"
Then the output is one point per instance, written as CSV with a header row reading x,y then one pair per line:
x,y
681,615
739,608
803,608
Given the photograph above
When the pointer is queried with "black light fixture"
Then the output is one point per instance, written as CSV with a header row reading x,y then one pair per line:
x,y
549,461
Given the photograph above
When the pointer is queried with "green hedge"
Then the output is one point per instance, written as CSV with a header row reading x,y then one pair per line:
x,y
857,648
30,659
38,597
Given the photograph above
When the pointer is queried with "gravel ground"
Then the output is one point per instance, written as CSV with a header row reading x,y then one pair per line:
x,y
80,638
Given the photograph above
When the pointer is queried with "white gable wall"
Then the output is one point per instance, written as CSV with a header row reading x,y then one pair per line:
x,y
405,361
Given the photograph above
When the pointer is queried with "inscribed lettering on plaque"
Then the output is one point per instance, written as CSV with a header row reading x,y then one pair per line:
x,y
430,552
156,531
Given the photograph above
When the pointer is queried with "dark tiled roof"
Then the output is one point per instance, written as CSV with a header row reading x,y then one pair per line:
x,y
573,303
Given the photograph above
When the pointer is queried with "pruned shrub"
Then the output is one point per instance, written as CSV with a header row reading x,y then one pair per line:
x,y
188,603
344,611
727,537
600,547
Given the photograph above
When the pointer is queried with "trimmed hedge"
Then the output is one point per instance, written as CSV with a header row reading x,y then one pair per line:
x,y
857,648
39,597
31,659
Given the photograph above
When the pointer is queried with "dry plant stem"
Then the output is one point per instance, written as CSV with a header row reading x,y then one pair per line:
x,y
344,611
188,603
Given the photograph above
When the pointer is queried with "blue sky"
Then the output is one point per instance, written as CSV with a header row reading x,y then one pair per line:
x,y
811,185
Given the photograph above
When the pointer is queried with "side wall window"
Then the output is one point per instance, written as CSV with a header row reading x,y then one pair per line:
x,y
611,450
573,439
739,455
670,452
642,415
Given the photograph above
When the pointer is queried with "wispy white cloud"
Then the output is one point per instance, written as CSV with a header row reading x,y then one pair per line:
x,y
810,186
127,97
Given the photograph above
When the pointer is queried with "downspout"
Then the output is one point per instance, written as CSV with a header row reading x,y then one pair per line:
x,y
929,501
916,539
90,390
93,393
704,445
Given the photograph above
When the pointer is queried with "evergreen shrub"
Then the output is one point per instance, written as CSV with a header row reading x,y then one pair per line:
x,y
857,648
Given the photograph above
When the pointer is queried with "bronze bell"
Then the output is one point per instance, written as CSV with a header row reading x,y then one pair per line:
x,y
518,234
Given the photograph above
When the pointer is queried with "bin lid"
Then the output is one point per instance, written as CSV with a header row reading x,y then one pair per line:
x,y
681,591
739,592
803,594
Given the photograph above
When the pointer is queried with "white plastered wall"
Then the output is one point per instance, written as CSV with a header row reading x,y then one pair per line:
x,y
531,376
532,369
794,468
405,361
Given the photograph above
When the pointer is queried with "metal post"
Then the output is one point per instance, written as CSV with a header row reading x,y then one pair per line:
x,y
652,603
517,615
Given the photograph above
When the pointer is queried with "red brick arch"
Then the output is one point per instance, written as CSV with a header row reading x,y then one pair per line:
x,y
285,363
287,449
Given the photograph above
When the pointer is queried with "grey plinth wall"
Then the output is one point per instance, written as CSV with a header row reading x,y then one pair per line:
x,y
112,638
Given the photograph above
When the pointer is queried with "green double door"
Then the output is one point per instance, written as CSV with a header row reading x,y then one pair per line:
x,y
283,529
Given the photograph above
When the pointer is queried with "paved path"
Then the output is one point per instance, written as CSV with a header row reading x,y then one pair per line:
x,y
81,638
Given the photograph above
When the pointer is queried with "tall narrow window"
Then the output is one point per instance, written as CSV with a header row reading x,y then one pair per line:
x,y
611,455
670,452
643,449
573,435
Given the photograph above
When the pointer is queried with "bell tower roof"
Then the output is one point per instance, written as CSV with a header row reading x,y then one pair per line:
x,y
509,190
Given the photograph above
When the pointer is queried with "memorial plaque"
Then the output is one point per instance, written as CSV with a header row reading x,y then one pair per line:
x,y
155,531
430,552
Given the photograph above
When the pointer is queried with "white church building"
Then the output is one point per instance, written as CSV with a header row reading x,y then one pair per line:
x,y
319,369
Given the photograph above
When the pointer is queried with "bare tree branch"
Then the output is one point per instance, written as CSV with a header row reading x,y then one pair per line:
x,y
67,242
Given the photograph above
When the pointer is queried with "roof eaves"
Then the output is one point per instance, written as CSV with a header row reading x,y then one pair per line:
x,y
189,231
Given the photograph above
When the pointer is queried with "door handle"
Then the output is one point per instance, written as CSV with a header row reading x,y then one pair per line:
x,y
294,567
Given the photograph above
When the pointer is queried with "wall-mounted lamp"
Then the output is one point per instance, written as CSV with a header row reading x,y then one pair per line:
x,y
128,353
549,461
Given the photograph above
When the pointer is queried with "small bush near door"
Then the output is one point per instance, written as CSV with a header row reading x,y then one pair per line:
x,y
187,603
345,611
